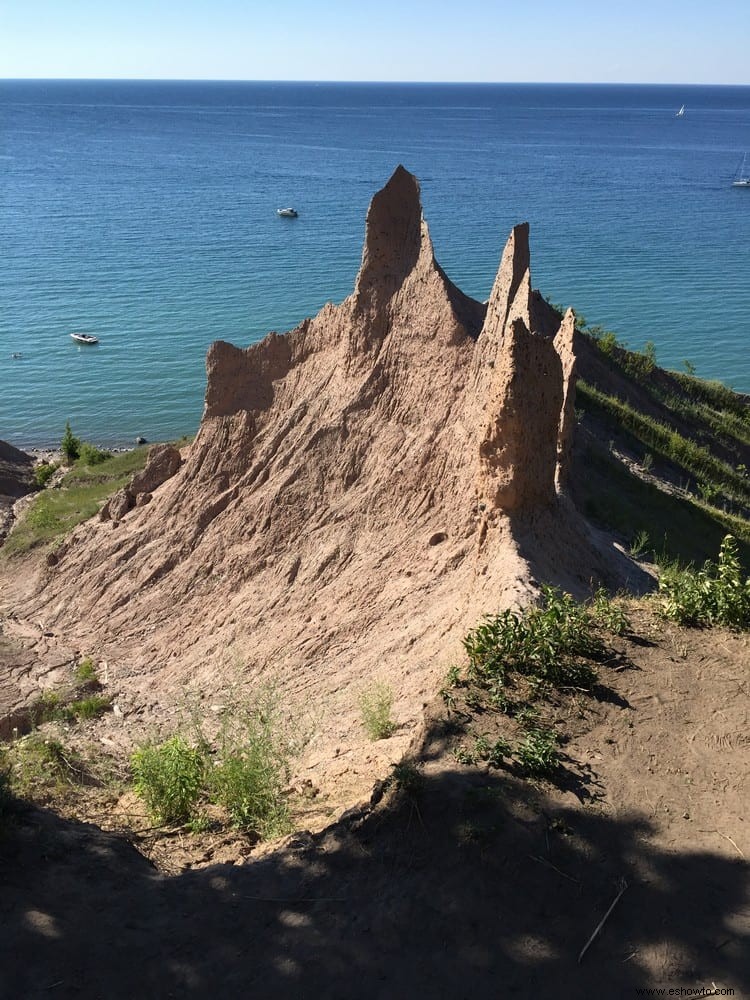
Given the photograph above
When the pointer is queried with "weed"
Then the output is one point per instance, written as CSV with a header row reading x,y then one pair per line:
x,y
252,767
376,704
43,473
647,462
462,755
169,778
85,672
528,717
538,753
492,754
545,642
46,708
39,762
639,545
713,595
609,615
6,796
91,455
89,708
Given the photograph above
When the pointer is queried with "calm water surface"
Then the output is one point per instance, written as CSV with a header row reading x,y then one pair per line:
x,y
146,213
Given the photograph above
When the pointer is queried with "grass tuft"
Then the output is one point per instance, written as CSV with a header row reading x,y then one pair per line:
x,y
376,705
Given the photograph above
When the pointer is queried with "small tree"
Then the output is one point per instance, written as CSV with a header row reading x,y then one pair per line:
x,y
70,445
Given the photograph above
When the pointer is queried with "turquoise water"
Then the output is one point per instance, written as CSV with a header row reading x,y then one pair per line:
x,y
146,213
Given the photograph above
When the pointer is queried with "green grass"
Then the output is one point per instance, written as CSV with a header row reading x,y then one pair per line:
x,y
85,672
667,442
39,764
82,492
88,708
674,527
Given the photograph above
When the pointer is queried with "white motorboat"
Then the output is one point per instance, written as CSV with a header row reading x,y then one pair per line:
x,y
85,338
287,213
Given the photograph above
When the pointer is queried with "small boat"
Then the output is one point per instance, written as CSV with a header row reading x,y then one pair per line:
x,y
287,213
681,112
742,177
85,338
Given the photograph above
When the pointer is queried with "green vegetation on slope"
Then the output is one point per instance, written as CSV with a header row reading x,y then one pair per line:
x,y
83,490
660,456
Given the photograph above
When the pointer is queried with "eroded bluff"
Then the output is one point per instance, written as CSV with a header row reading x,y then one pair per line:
x,y
360,491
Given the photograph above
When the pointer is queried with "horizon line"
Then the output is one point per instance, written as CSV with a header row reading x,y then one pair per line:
x,y
395,83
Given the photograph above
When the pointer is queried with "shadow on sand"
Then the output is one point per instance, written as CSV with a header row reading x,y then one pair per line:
x,y
480,886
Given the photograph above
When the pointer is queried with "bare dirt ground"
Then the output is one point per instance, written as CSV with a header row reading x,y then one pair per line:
x,y
479,885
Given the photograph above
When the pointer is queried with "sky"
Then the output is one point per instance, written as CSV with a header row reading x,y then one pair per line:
x,y
577,41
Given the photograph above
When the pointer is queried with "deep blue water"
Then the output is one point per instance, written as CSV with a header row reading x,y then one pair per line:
x,y
145,213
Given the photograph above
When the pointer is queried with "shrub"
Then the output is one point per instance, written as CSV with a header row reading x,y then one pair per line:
x,y
545,641
713,595
70,445
43,473
169,778
253,769
376,704
91,455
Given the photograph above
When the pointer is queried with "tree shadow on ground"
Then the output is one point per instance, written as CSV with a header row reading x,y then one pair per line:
x,y
480,885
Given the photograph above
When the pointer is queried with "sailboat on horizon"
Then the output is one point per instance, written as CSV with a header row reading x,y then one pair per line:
x,y
742,177
681,112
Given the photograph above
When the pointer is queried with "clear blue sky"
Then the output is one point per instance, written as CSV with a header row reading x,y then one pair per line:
x,y
662,41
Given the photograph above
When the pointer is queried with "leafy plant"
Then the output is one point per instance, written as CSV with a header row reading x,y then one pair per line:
x,y
43,473
89,454
538,753
545,641
252,766
406,777
376,704
169,778
609,615
717,594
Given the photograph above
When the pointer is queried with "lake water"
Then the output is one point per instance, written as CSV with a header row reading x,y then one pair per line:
x,y
146,213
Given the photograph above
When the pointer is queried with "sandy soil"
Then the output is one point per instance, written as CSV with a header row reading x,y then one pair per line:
x,y
483,885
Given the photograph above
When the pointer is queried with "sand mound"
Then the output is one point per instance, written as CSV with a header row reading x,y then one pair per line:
x,y
361,490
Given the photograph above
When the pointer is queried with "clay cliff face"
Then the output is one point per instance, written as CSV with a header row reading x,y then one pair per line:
x,y
350,504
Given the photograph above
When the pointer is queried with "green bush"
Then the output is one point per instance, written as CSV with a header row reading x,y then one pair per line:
x,y
91,455
546,641
43,473
376,704
70,445
169,778
252,768
717,594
